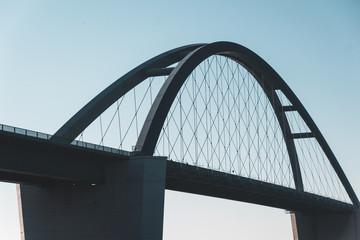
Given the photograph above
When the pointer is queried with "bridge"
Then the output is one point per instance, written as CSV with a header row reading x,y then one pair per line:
x,y
211,119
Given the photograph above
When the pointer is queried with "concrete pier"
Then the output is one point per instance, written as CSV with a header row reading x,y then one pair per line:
x,y
326,226
130,205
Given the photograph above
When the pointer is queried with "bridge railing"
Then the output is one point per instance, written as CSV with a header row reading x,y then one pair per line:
x,y
45,136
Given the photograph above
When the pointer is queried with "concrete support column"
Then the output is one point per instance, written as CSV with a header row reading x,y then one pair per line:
x,y
326,226
130,205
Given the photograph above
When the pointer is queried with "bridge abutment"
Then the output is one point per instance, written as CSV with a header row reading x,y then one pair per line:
x,y
129,205
326,226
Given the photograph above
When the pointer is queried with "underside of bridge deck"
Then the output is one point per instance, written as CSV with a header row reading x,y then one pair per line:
x,y
187,178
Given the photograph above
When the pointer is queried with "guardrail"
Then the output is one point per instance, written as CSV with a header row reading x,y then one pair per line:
x,y
45,136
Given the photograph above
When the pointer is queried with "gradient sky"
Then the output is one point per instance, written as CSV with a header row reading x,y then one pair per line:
x,y
56,56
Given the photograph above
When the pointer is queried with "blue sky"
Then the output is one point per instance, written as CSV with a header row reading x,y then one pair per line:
x,y
56,56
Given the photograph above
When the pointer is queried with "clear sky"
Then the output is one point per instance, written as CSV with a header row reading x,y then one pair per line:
x,y
56,56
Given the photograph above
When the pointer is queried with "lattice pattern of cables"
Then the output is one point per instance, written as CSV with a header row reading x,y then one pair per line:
x,y
120,125
222,120
318,175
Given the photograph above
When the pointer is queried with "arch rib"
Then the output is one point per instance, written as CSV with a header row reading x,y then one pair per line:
x,y
83,118
259,68
321,140
190,56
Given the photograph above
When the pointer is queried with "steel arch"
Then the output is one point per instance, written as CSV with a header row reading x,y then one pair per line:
x,y
268,79
85,116
189,57
261,71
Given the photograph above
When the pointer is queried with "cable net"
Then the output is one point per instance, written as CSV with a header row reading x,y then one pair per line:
x,y
120,125
221,119
318,176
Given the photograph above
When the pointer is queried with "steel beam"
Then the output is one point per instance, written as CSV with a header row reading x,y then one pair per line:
x,y
32,160
288,108
155,72
303,135
191,179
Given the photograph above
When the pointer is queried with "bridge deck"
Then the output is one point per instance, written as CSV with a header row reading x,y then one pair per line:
x,y
29,157
191,179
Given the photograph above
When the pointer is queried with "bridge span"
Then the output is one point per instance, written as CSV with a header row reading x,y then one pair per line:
x,y
211,119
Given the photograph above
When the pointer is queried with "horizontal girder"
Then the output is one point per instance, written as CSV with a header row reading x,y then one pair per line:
x,y
44,162
32,160
191,179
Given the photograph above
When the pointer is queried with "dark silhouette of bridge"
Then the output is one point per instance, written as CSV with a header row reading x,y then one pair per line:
x,y
223,124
